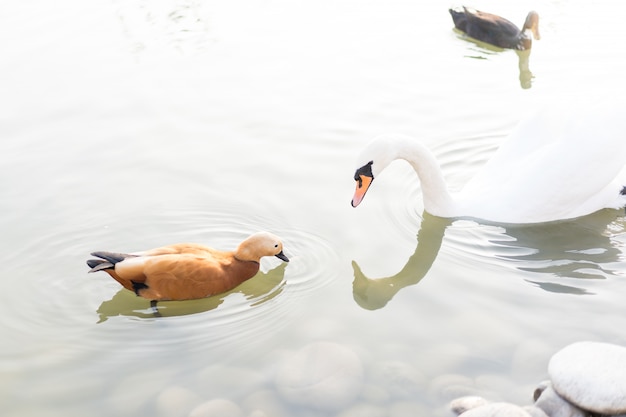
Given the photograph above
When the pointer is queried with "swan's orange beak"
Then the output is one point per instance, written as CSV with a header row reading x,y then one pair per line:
x,y
363,182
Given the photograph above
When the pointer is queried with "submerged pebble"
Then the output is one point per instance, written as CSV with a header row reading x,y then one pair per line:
x,y
497,410
265,403
364,410
400,379
175,401
586,378
449,386
461,405
322,375
217,408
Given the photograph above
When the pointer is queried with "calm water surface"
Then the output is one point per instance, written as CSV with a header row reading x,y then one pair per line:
x,y
129,125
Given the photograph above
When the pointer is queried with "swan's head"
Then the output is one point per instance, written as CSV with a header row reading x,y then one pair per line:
x,y
371,162
259,245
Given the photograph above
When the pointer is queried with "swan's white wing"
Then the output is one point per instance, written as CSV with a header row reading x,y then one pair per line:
x,y
561,163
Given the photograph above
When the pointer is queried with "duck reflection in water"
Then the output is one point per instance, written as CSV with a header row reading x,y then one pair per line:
x,y
493,34
484,50
580,248
496,30
258,290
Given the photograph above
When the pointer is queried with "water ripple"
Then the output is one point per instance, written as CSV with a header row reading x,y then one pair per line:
x,y
586,247
553,256
61,303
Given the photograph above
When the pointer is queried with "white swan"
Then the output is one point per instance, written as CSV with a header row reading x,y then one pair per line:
x,y
559,164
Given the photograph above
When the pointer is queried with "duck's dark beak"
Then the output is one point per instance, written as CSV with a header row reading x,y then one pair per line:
x,y
282,256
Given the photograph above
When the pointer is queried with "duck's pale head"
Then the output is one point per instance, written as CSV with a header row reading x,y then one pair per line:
x,y
259,245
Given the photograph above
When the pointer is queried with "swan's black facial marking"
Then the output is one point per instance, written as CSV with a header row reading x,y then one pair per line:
x,y
623,192
365,170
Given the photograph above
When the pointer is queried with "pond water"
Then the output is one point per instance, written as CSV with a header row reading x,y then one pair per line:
x,y
127,125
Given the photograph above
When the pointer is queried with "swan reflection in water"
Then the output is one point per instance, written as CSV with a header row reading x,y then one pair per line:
x,y
580,248
263,287
483,50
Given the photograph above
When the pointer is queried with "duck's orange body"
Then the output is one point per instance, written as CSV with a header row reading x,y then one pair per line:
x,y
187,270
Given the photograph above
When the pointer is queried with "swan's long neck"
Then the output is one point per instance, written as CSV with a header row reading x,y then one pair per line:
x,y
437,198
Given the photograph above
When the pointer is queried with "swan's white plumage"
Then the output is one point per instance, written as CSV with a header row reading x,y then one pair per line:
x,y
563,162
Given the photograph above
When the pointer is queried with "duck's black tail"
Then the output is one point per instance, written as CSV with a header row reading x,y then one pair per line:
x,y
459,18
107,261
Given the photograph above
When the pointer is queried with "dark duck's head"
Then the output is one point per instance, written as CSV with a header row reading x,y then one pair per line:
x,y
531,24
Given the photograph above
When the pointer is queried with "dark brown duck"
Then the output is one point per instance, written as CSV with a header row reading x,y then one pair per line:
x,y
496,30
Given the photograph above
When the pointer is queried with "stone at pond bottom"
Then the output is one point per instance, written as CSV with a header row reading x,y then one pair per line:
x,y
496,410
449,386
591,375
266,402
175,402
547,403
323,375
461,405
400,379
217,408
364,410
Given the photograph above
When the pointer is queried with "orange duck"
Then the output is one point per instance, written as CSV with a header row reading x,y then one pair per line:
x,y
187,271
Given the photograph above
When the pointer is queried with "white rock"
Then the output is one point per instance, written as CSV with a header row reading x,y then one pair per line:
x,y
540,389
534,411
463,404
496,410
552,404
591,375
217,408
325,376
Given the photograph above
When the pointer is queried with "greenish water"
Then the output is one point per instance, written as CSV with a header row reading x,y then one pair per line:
x,y
130,125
